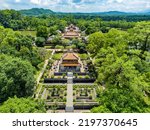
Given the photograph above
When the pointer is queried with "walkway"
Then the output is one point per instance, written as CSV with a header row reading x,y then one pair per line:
x,y
44,95
69,104
45,64
90,57
42,72
82,66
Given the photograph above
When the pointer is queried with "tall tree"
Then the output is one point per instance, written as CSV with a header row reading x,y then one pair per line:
x,y
140,36
42,31
22,105
96,41
16,78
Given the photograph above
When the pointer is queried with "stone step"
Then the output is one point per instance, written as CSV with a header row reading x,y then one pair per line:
x,y
69,109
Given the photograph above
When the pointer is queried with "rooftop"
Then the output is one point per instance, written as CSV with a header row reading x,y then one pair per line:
x,y
71,33
65,65
70,56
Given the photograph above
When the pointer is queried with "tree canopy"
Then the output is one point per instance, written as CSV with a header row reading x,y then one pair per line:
x,y
118,45
22,105
16,78
123,69
15,44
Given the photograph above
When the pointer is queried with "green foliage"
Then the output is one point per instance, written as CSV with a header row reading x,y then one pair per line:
x,y
99,40
42,31
120,74
64,75
30,33
18,45
53,29
68,47
83,56
101,109
59,47
40,41
56,40
123,70
121,56
81,46
76,43
36,12
140,36
57,56
16,78
22,105
87,76
73,46
96,41
11,19
91,29
32,18
118,100
65,42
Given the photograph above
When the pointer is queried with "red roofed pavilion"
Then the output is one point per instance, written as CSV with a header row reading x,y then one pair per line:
x,y
70,62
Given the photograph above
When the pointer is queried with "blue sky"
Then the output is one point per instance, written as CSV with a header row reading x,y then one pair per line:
x,y
79,5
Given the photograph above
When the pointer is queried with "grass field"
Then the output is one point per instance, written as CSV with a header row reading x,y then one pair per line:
x,y
83,56
57,56
32,33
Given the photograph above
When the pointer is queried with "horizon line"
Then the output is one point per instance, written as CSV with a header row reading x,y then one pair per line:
x,y
77,12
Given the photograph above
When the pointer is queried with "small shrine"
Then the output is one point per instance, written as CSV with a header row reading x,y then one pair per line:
x,y
71,32
70,63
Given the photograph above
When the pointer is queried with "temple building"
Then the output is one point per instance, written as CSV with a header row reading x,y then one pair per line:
x,y
70,63
71,32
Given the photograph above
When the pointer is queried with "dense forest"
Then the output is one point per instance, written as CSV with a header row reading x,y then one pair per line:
x,y
119,45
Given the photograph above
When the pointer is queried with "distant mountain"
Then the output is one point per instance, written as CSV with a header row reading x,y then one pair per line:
x,y
112,13
36,12
148,13
41,11
115,13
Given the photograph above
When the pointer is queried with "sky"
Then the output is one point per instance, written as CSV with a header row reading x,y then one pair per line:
x,y
79,5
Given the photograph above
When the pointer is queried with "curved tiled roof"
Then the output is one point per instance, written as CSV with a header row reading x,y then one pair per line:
x,y
71,65
70,56
71,33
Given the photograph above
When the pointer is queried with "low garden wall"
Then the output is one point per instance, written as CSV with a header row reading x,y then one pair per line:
x,y
84,105
59,73
81,74
75,80
78,73
60,105
79,105
83,80
48,80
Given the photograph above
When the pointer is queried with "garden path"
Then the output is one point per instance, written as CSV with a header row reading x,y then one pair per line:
x,y
69,104
42,72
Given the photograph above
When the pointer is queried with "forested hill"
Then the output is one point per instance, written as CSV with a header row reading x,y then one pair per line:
x,y
36,12
41,11
121,13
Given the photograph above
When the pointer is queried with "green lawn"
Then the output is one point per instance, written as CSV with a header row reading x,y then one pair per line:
x,y
83,56
32,33
57,56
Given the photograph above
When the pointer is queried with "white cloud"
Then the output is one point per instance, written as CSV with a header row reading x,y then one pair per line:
x,y
35,1
45,2
79,5
17,0
148,5
115,1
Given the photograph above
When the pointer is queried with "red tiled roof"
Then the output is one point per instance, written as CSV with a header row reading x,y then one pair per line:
x,y
71,33
66,65
70,56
